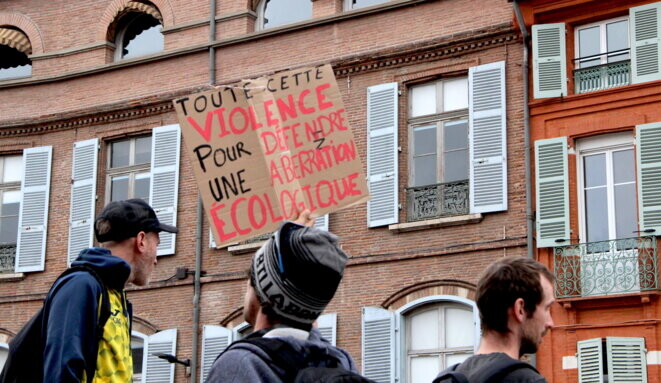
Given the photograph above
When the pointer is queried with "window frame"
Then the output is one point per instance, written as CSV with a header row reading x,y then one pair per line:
x,y
261,16
132,170
605,143
348,5
119,37
603,40
145,340
10,187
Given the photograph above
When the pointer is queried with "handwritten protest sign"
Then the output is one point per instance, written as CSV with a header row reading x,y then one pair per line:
x,y
267,148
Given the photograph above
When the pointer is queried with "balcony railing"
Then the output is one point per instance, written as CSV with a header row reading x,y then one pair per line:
x,y
609,267
438,200
7,257
604,76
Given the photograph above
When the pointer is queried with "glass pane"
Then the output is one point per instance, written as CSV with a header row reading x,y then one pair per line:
x,y
142,36
459,329
451,359
423,100
8,229
424,171
280,12
119,153
623,166
617,35
137,350
16,72
455,135
625,210
142,150
119,188
589,43
12,169
424,140
424,368
365,3
11,197
455,94
596,211
594,170
141,187
424,330
455,166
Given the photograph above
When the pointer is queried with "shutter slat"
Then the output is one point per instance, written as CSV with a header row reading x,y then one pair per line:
x,y
487,138
378,344
322,222
215,340
590,363
549,60
327,326
33,215
382,209
552,194
83,196
648,167
626,359
159,370
645,35
164,182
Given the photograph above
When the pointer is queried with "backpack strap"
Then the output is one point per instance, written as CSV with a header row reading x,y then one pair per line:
x,y
496,371
452,375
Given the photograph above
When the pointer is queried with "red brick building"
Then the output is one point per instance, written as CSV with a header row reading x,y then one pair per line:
x,y
595,119
433,92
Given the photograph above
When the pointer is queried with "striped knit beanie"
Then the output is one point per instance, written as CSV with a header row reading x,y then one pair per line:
x,y
297,271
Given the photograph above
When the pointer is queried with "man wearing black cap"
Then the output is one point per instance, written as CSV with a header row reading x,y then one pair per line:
x,y
292,278
75,348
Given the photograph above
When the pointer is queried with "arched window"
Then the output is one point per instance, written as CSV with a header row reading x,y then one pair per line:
x,y
4,352
14,50
353,4
274,13
138,31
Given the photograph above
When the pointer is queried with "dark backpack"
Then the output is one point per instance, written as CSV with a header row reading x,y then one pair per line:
x,y
490,373
311,366
25,361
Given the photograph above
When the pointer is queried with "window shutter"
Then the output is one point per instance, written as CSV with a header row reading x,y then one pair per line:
x,y
648,167
552,197
83,196
487,137
212,242
159,370
383,208
626,359
378,344
327,325
163,190
215,340
645,42
321,222
590,362
549,60
33,217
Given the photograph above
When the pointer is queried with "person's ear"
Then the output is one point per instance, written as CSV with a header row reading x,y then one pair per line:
x,y
519,310
141,242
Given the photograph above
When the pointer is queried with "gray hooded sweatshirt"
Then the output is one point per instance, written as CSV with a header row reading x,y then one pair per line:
x,y
250,364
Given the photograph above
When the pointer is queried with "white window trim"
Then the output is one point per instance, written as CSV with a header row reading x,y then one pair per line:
x,y
592,145
9,186
145,340
131,170
400,327
603,42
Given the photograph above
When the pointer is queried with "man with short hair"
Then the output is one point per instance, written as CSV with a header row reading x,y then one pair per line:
x,y
514,297
75,349
293,276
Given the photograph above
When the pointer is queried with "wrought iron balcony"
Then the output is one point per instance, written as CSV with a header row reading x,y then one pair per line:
x,y
438,200
604,268
7,257
604,76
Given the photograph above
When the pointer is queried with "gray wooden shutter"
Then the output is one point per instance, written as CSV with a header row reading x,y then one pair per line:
x,y
327,325
164,187
215,340
83,196
321,222
626,360
648,167
549,60
487,137
590,362
33,217
383,208
159,370
378,347
552,194
645,35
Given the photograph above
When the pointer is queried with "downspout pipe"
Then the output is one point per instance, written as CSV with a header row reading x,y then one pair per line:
x,y
200,214
530,218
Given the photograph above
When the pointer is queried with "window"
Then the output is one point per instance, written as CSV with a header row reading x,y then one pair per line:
x,y
14,50
138,31
4,353
603,42
274,13
11,172
129,169
612,359
437,336
353,4
137,352
147,367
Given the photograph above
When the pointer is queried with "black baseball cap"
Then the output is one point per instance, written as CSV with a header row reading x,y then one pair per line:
x,y
120,220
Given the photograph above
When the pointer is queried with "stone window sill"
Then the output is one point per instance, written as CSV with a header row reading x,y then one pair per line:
x,y
245,248
10,277
436,223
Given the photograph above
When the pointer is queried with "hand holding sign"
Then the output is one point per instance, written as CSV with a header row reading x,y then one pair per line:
x,y
270,148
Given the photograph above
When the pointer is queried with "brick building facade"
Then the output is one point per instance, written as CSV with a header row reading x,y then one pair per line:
x,y
86,117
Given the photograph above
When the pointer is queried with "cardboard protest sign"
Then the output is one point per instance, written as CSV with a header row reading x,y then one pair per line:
x,y
265,149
